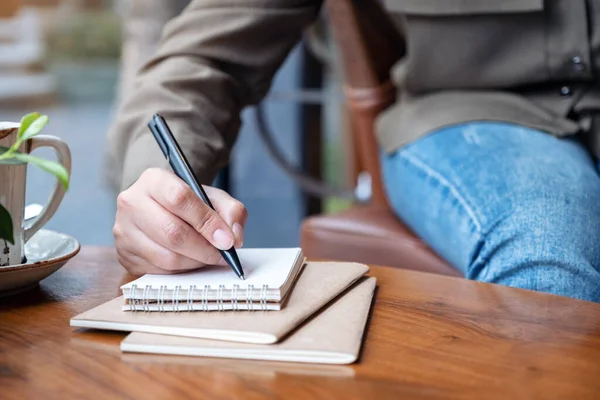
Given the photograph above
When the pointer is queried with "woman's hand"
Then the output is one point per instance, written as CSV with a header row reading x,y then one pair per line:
x,y
163,227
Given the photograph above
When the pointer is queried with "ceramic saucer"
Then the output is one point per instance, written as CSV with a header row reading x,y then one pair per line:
x,y
47,251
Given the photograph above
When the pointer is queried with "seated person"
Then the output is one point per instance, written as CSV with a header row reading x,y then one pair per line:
x,y
489,155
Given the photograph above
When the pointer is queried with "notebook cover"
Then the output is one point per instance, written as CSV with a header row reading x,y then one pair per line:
x,y
332,336
317,284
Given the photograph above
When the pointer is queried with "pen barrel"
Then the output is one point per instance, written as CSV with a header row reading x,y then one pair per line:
x,y
185,174
181,167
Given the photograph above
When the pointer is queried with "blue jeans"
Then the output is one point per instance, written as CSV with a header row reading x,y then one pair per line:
x,y
503,204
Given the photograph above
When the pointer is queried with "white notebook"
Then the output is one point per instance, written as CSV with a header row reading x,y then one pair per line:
x,y
332,336
269,274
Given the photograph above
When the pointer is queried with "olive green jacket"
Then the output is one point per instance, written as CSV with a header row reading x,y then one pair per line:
x,y
531,62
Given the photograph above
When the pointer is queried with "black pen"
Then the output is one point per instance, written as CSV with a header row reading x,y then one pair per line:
x,y
170,148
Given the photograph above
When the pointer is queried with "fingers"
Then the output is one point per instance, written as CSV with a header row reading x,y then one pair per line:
x,y
162,226
141,255
172,233
178,198
233,212
136,265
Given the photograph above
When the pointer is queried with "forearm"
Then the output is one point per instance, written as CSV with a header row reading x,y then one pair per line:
x,y
214,59
201,126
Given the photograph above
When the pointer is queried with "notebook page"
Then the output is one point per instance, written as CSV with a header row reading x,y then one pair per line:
x,y
266,266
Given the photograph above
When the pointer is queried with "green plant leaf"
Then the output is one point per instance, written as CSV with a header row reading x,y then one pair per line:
x,y
9,159
34,128
31,125
26,122
49,166
6,226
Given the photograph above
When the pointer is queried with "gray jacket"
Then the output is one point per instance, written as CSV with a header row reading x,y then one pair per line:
x,y
531,62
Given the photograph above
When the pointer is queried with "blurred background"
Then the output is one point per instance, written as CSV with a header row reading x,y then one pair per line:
x,y
70,59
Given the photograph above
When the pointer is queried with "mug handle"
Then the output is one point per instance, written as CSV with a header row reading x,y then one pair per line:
x,y
64,158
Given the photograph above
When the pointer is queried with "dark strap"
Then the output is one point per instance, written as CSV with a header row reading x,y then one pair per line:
x,y
369,45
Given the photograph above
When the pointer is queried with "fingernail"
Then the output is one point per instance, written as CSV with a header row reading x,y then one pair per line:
x,y
238,231
223,240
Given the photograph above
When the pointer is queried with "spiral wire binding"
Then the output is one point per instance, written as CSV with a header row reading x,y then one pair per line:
x,y
249,291
220,304
190,298
263,297
145,305
204,303
161,298
176,297
146,298
234,299
132,299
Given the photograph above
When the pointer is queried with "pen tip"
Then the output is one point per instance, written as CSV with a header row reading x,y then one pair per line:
x,y
242,277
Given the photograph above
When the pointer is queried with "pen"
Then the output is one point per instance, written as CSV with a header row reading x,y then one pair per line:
x,y
170,148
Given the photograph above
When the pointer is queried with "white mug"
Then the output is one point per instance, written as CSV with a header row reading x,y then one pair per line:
x,y
13,186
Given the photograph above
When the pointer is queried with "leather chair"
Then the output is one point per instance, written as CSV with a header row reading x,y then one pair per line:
x,y
368,45
9,8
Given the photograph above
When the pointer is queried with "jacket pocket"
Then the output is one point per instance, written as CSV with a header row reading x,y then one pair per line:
x,y
471,44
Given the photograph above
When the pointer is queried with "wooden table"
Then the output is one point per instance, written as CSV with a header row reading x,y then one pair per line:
x,y
429,337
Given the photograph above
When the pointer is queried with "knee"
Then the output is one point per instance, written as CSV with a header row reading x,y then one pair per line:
x,y
544,244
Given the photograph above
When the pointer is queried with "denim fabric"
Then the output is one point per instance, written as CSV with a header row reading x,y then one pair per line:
x,y
504,204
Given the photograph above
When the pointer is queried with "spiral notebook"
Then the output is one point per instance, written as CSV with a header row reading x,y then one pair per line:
x,y
269,275
317,284
332,336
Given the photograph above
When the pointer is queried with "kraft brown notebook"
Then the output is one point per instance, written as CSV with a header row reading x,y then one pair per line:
x,y
317,284
332,336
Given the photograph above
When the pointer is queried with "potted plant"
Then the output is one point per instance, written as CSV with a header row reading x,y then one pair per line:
x,y
31,125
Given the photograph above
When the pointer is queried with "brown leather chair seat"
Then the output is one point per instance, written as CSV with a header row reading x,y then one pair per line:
x,y
370,235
